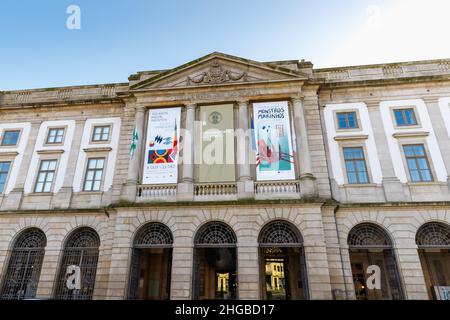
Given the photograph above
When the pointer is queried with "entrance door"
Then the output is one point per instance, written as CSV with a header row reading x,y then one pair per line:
x,y
283,273
276,273
436,267
361,260
215,273
154,273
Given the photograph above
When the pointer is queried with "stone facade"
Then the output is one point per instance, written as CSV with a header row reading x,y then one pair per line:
x,y
321,203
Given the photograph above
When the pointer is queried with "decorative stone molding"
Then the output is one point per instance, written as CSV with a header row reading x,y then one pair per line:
x,y
99,149
216,75
51,151
413,134
389,71
9,154
351,137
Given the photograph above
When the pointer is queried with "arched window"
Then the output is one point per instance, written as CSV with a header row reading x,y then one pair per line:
x,y
280,233
367,235
24,266
433,240
433,235
215,233
370,245
81,250
151,263
282,262
153,234
215,273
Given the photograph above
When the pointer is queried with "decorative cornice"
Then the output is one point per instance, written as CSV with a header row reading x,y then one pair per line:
x,y
97,149
411,134
8,153
50,151
351,137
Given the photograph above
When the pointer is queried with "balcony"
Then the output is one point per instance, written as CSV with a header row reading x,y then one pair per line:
x,y
277,190
228,191
158,193
215,192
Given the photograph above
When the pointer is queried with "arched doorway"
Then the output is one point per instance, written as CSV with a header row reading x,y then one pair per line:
x,y
215,270
151,263
433,240
24,266
282,262
370,245
80,250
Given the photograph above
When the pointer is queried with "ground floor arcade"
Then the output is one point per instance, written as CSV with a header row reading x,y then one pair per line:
x,y
287,250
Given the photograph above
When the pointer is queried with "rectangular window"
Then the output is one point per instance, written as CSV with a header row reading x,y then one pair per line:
x,y
419,168
55,136
4,170
101,133
405,117
347,120
94,173
355,165
10,138
46,175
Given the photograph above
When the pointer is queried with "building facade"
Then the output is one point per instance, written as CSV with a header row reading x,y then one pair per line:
x,y
324,180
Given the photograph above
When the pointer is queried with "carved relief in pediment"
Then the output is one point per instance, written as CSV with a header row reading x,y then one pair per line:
x,y
216,75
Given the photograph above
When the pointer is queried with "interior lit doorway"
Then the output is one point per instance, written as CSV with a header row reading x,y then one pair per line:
x,y
215,263
433,241
282,262
151,263
369,245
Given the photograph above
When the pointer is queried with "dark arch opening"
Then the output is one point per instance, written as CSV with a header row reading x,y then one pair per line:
x,y
370,245
81,249
433,241
283,274
151,263
215,263
24,265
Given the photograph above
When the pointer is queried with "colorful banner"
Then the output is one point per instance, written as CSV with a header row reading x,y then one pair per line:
x,y
217,149
272,133
161,147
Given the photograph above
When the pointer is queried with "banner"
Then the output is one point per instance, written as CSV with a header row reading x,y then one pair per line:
x,y
272,131
161,146
217,144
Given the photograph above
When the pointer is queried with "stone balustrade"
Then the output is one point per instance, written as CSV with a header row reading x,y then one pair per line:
x,y
146,193
277,190
215,191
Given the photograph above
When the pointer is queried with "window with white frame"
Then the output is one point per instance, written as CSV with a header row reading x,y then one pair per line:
x,y
355,165
418,165
347,120
94,174
46,174
405,117
4,171
55,136
101,133
10,138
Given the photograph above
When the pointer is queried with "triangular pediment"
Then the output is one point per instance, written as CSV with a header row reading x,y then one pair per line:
x,y
217,69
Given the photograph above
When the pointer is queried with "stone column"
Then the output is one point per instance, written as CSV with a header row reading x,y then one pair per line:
x,y
393,188
63,198
185,190
245,184
130,189
307,184
410,270
248,271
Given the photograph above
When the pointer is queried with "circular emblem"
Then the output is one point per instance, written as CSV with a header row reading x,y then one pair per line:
x,y
215,117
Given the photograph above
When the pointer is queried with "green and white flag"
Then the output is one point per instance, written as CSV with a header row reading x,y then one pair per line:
x,y
134,142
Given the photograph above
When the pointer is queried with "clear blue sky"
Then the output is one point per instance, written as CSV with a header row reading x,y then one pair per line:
x,y
118,38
